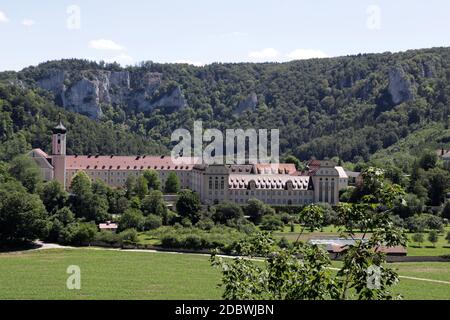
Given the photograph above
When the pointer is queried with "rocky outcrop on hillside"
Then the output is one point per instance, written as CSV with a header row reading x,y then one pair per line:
x,y
88,91
400,87
248,103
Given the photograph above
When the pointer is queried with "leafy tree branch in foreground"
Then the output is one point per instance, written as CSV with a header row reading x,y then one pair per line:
x,y
262,270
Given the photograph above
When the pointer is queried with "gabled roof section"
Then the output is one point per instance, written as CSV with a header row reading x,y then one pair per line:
x,y
276,168
272,181
125,163
38,153
41,158
342,173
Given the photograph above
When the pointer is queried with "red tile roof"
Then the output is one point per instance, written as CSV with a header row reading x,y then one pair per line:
x,y
125,163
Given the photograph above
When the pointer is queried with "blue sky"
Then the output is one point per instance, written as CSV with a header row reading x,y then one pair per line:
x,y
201,31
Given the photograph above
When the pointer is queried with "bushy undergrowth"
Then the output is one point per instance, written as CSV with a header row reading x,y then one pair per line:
x,y
223,238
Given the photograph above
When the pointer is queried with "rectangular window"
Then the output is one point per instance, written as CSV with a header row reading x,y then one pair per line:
x,y
332,192
320,191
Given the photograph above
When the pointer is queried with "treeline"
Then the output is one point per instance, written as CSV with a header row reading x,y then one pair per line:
x,y
31,209
427,188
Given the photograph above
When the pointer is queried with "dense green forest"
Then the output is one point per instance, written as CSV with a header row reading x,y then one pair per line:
x,y
27,116
385,110
351,107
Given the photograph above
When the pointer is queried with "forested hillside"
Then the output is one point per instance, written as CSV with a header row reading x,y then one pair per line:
x,y
385,110
26,119
351,107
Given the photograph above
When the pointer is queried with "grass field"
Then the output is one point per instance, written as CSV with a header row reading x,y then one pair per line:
x,y
442,247
109,274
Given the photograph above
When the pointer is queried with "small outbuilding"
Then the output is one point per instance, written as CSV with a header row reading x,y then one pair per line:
x,y
108,226
337,246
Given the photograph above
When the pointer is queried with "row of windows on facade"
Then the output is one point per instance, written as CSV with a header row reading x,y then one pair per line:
x,y
216,184
121,180
301,193
326,179
137,173
278,201
324,193
137,167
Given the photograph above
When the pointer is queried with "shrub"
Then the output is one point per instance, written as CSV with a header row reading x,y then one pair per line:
x,y
256,209
271,223
284,243
418,238
286,218
129,236
223,238
195,242
433,237
169,218
78,233
131,219
433,222
418,223
186,222
205,224
226,211
108,237
170,241
247,228
398,221
414,224
329,215
152,222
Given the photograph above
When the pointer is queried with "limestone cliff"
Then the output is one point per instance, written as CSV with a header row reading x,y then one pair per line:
x,y
87,91
249,103
400,87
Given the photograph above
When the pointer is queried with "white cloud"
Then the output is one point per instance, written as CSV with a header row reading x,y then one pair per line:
x,y
28,22
3,17
194,63
103,44
264,54
301,54
122,59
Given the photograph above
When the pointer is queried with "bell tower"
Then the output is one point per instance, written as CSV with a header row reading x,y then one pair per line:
x,y
59,153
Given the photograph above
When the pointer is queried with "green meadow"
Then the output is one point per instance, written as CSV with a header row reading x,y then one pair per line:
x,y
111,274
